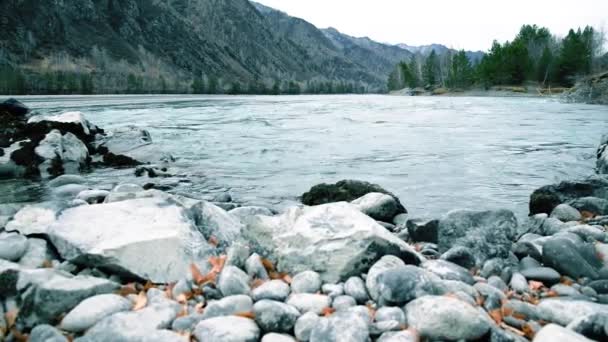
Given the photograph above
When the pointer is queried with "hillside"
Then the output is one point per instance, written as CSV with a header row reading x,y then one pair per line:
x,y
113,46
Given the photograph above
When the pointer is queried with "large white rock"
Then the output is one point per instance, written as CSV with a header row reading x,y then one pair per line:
x,y
151,238
75,118
67,148
32,219
336,240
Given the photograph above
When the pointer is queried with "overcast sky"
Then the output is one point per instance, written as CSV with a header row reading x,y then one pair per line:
x,y
467,24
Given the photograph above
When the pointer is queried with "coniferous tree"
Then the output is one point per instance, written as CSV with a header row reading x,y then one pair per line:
x,y
429,72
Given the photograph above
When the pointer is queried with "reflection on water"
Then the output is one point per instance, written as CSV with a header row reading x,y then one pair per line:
x,y
436,153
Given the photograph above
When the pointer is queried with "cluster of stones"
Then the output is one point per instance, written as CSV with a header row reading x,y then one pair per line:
x,y
130,264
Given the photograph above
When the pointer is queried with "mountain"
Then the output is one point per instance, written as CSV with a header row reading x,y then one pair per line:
x,y
117,46
425,50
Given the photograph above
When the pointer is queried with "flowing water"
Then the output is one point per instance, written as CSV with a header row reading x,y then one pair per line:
x,y
435,153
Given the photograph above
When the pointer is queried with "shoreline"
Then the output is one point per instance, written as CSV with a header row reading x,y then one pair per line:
x,y
130,263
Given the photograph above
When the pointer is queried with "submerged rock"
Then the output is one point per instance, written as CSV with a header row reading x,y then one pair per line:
x,y
148,238
488,234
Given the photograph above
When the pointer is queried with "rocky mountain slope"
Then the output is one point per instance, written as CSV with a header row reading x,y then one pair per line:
x,y
425,50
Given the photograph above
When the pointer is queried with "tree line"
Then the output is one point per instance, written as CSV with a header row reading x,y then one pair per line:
x,y
535,55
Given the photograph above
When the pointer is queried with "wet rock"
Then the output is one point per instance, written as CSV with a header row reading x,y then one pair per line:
x,y
306,282
446,318
566,213
449,271
588,233
423,230
228,306
304,325
341,303
564,311
488,234
355,287
593,326
233,281
272,316
36,255
388,313
342,326
553,332
545,199
12,246
69,191
149,238
14,107
343,191
546,275
46,333
92,310
563,255
460,256
46,294
594,205
227,329
273,290
565,290
402,284
528,263
308,302
335,240
385,263
379,206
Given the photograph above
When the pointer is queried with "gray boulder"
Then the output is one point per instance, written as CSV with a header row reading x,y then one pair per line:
x,y
563,311
46,294
227,329
214,221
379,206
488,234
597,206
92,310
233,281
343,326
399,285
341,303
563,255
566,213
335,240
37,254
272,316
388,313
308,302
306,282
129,146
150,238
448,271
385,263
228,306
355,287
46,333
594,326
255,268
460,256
545,199
446,318
12,246
274,290
304,325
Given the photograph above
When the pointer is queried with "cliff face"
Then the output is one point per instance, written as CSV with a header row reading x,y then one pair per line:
x,y
228,39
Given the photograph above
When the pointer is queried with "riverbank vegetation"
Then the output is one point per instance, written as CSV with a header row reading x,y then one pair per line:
x,y
535,55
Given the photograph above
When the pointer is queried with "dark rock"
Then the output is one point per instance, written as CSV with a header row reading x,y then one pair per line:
x,y
593,326
546,275
528,262
566,213
423,230
488,234
545,199
526,249
344,191
448,271
564,256
601,286
272,316
594,205
46,333
14,107
402,284
460,256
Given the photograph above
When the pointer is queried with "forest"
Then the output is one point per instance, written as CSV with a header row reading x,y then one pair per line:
x,y
535,55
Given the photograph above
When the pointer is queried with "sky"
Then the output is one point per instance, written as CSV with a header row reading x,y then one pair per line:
x,y
460,24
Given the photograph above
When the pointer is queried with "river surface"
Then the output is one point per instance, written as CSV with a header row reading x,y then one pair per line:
x,y
435,153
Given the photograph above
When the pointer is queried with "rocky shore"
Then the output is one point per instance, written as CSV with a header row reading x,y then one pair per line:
x,y
130,263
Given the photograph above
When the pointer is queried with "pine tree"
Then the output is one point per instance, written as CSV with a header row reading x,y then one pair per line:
x,y
429,72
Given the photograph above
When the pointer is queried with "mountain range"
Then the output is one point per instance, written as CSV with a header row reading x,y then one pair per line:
x,y
141,44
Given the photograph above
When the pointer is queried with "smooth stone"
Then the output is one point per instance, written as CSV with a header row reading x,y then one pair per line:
x,y
546,198
65,180
228,306
341,303
273,290
69,190
342,326
12,246
308,302
600,286
355,287
237,255
402,284
255,268
274,337
378,328
388,313
46,333
564,311
423,230
588,233
595,205
498,283
304,326
227,329
565,290
93,196
566,213
528,263
553,333
400,220
379,206
273,316
448,318
593,326
37,254
546,275
488,234
460,256
92,310
519,283
523,309
399,336
186,323
448,271
306,282
385,263
562,254
334,290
